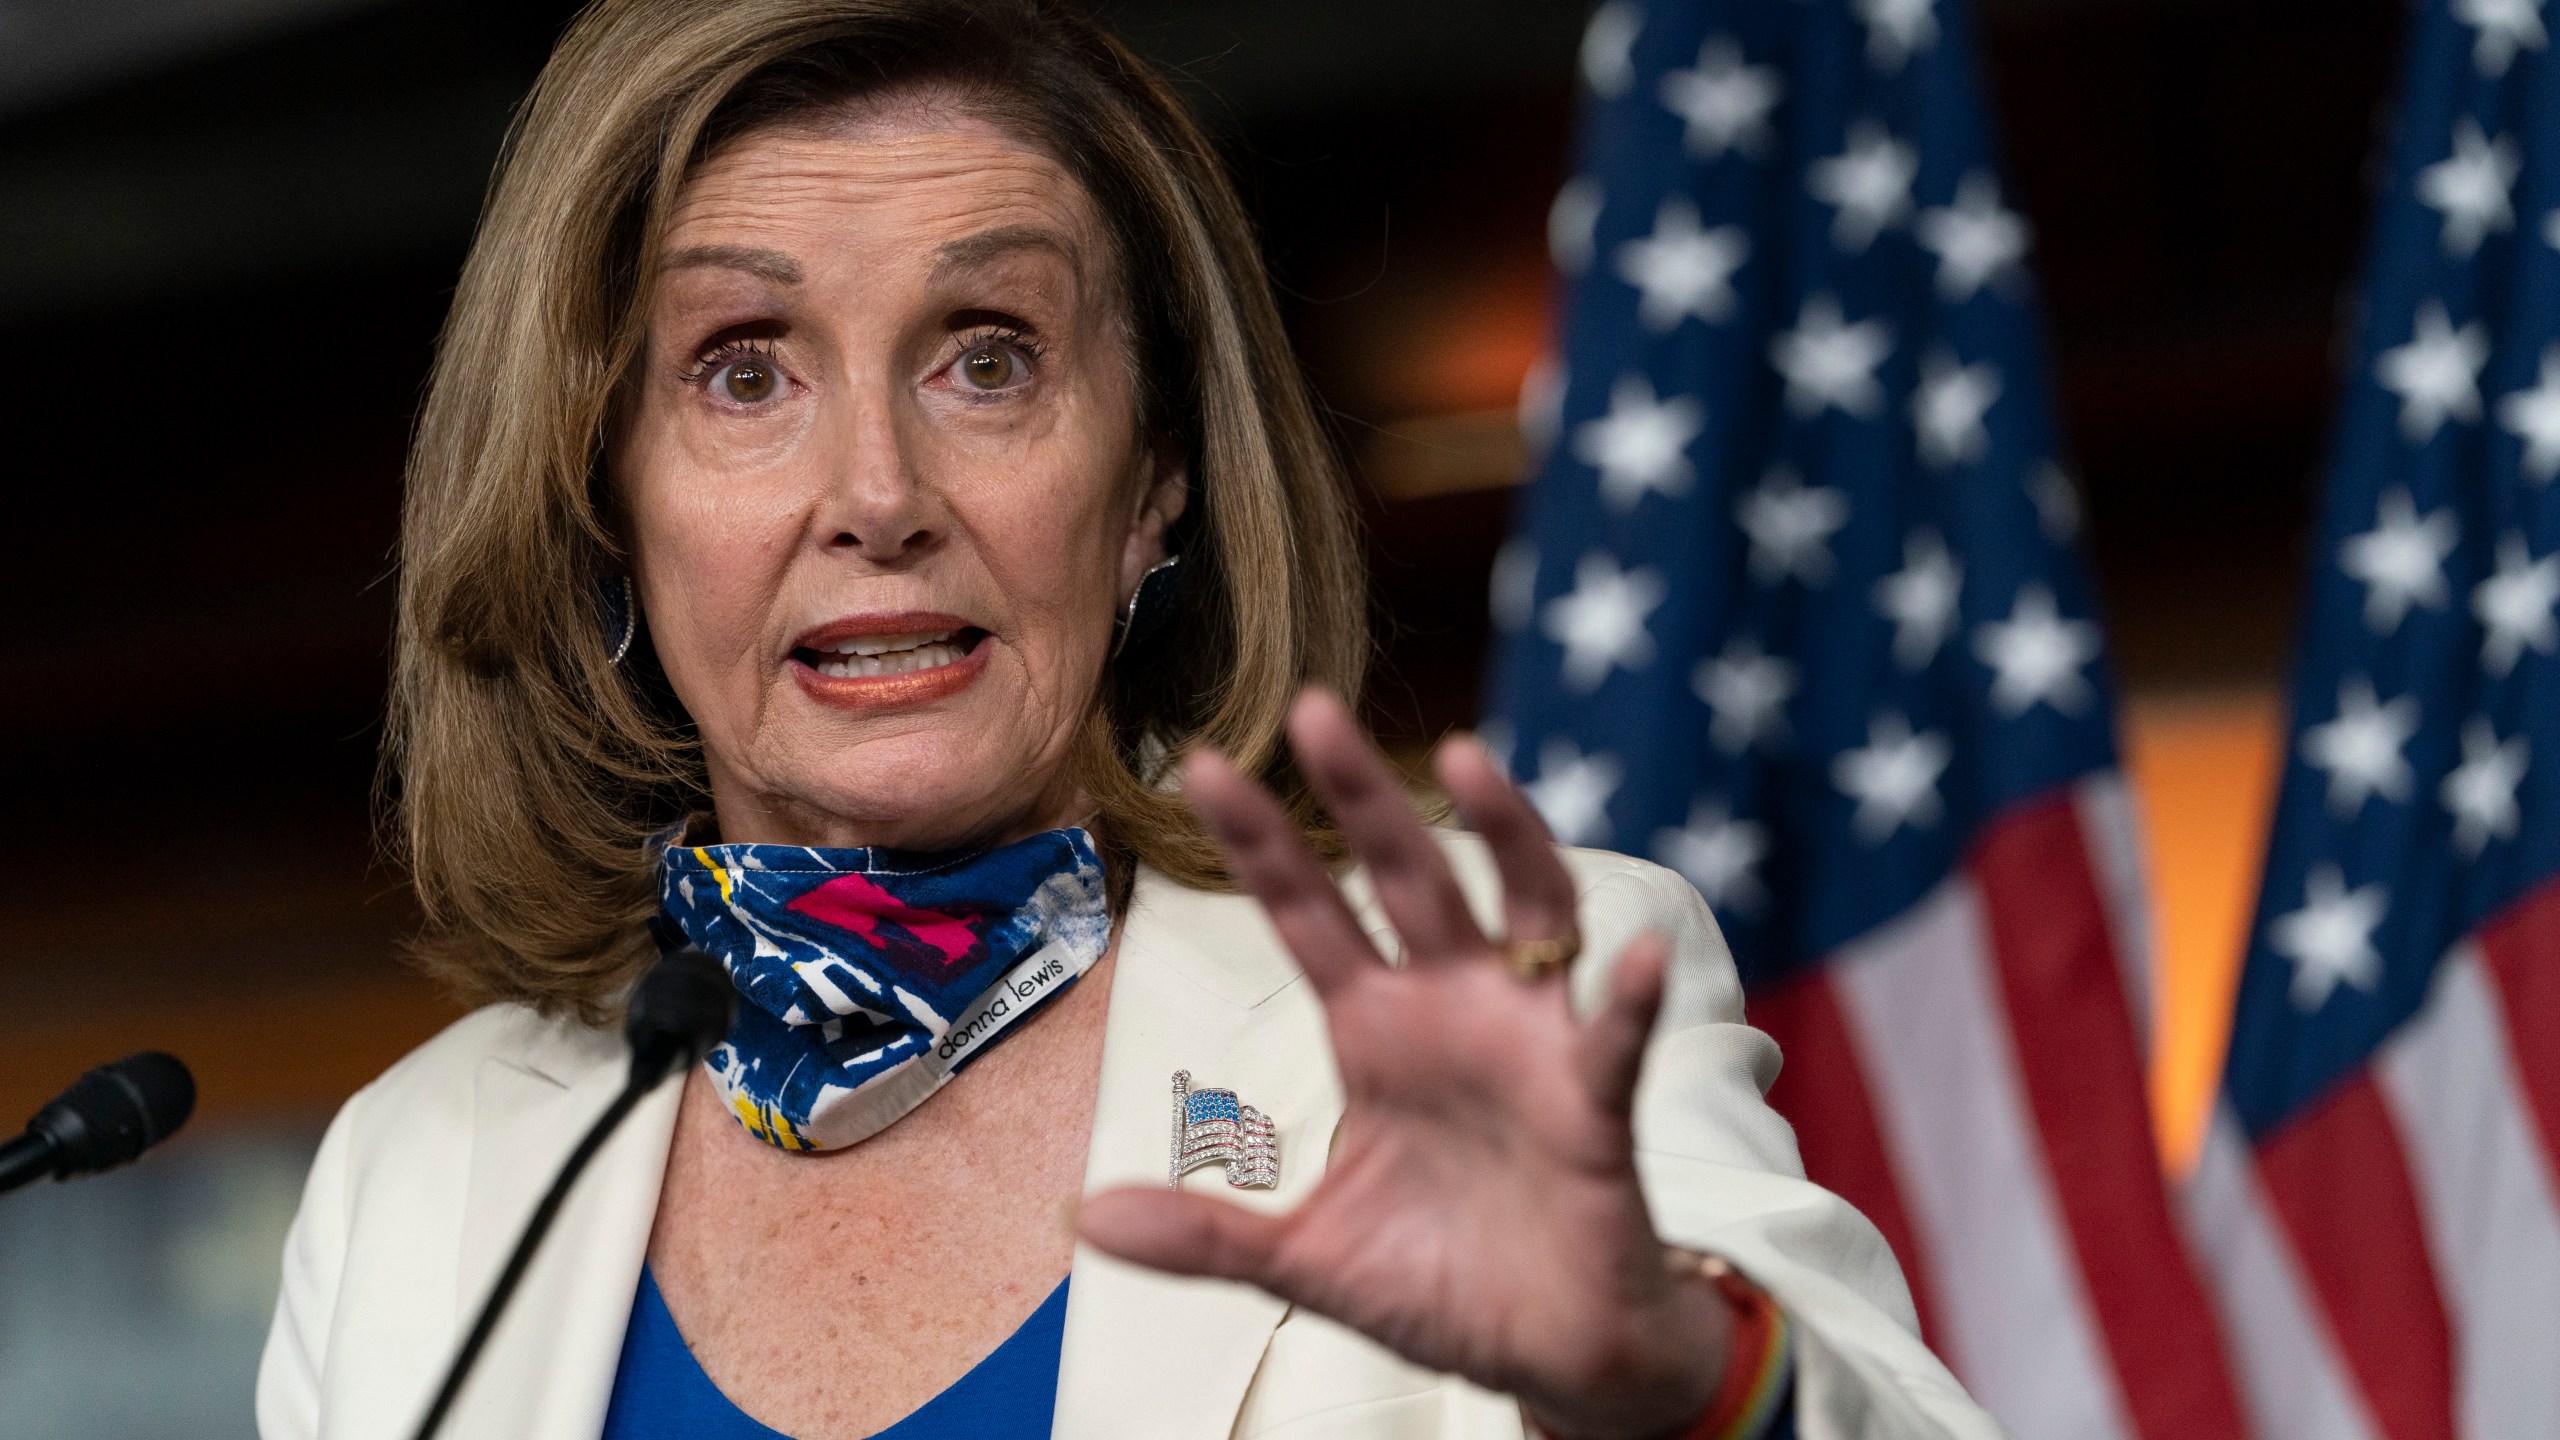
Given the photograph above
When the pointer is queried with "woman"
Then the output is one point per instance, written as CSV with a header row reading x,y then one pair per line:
x,y
833,393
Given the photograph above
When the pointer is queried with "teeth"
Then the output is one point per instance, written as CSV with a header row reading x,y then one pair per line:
x,y
883,644
920,657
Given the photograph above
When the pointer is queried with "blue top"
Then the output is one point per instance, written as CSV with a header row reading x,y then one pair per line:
x,y
660,1392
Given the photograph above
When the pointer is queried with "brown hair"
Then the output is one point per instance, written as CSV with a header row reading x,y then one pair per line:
x,y
530,770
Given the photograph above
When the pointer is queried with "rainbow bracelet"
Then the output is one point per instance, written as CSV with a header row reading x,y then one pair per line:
x,y
1756,1375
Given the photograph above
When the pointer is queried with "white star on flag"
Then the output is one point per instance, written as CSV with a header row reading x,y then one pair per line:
x,y
1572,219
1898,30
2400,560
1724,102
1572,791
2471,187
2505,27
2036,656
1601,624
1640,444
1829,362
1682,269
2481,791
1920,599
1948,406
1870,182
2514,605
1719,854
2057,503
1894,778
1515,583
1608,47
1977,239
2437,374
2330,939
1747,693
2533,416
1790,527
2360,747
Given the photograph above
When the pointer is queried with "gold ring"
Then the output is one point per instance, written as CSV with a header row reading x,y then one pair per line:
x,y
1535,960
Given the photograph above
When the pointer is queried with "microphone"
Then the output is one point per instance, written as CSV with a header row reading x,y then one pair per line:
x,y
680,1009
107,1117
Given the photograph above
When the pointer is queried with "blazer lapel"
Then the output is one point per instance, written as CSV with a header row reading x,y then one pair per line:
x,y
548,1371
1201,984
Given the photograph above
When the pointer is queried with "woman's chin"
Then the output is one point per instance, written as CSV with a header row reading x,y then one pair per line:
x,y
946,757
929,789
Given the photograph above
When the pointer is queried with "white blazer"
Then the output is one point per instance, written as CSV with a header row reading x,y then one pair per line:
x,y
426,1174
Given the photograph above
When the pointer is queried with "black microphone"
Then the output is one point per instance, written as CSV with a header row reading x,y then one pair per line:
x,y
105,1119
680,1009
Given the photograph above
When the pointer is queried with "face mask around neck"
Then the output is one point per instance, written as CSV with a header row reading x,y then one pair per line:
x,y
870,977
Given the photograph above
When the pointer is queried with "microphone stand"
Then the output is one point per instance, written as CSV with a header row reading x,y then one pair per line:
x,y
680,1010
25,1158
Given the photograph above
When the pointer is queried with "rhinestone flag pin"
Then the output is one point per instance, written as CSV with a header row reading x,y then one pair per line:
x,y
1211,1126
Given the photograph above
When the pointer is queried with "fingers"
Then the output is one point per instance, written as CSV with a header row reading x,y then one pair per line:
x,y
1610,1046
1270,861
1420,896
1186,1234
1537,892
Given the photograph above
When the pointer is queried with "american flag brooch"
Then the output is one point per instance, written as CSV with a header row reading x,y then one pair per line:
x,y
1213,1125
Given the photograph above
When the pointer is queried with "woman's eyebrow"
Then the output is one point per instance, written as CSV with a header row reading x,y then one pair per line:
x,y
986,245
770,265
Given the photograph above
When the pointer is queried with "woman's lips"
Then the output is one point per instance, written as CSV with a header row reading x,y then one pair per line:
x,y
888,655
863,666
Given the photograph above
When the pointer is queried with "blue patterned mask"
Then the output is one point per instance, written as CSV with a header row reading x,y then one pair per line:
x,y
871,976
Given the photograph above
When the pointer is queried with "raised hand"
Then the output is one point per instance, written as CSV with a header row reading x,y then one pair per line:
x,y
1480,1214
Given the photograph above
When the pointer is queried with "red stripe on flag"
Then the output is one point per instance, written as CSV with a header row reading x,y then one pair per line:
x,y
2083,1076
2340,1181
1822,1092
2523,948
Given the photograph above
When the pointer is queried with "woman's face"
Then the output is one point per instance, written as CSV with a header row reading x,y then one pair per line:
x,y
885,479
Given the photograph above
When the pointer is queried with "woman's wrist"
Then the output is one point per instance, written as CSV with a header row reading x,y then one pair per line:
x,y
1757,1361
1716,1311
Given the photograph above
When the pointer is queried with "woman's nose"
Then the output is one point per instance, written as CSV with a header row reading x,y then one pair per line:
x,y
880,507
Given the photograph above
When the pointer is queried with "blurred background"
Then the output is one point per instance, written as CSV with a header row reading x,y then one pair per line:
x,y
229,230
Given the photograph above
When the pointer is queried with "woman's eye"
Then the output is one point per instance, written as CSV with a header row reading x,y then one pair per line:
x,y
990,367
748,382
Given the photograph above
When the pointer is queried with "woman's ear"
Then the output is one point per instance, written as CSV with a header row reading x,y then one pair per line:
x,y
1164,491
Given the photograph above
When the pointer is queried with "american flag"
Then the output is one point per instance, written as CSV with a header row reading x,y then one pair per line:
x,y
1213,1127
2377,1189
1794,608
